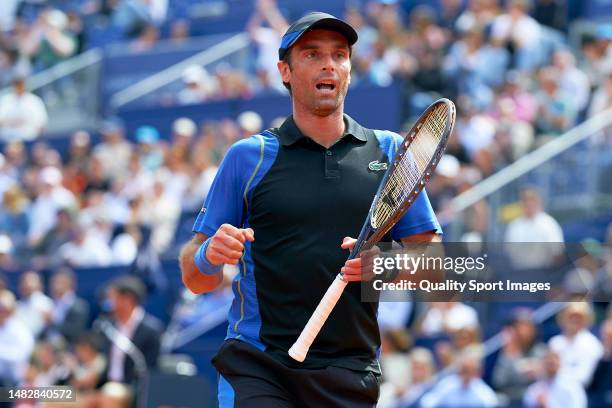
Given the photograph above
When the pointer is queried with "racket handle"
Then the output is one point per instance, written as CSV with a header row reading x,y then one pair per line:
x,y
300,348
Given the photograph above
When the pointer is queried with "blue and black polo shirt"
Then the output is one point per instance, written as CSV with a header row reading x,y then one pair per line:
x,y
301,200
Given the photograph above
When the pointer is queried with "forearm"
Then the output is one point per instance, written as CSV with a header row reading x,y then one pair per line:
x,y
193,279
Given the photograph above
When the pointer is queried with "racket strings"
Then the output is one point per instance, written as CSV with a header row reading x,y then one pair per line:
x,y
408,171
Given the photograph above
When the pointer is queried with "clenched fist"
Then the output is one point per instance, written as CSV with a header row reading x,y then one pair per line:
x,y
227,245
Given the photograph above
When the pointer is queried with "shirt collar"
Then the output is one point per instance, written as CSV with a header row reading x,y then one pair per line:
x,y
291,134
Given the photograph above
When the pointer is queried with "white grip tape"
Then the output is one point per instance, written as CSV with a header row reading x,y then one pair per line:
x,y
300,348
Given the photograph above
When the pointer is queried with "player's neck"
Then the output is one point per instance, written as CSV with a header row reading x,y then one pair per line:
x,y
325,130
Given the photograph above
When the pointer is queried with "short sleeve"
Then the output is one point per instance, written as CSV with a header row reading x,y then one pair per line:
x,y
418,219
420,216
224,204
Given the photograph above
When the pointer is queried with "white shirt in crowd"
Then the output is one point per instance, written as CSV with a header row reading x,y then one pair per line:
x,y
8,12
91,251
32,310
451,392
561,392
117,357
542,228
268,41
438,321
44,211
525,32
579,355
17,344
22,117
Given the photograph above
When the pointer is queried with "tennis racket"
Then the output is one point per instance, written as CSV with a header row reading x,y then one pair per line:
x,y
413,165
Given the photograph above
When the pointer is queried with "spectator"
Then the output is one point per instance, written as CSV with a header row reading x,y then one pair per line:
x,y
474,129
250,123
479,13
23,115
131,16
447,318
518,364
52,196
126,295
199,86
14,218
524,106
581,280
395,366
86,248
578,349
7,261
597,57
162,210
50,366
90,364
125,245
45,252
70,314
150,153
114,151
8,14
519,32
422,369
50,40
16,342
77,163
534,226
572,81
602,98
462,389
555,390
476,67
138,180
183,132
267,38
179,31
601,382
557,110
34,305
146,40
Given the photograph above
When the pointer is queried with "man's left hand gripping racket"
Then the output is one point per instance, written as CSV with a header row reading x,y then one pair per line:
x,y
412,167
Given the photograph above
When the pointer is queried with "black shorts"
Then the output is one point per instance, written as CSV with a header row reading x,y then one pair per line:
x,y
250,378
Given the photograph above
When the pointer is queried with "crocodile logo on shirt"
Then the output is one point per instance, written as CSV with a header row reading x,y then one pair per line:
x,y
377,166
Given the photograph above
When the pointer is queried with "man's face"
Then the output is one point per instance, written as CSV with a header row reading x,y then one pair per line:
x,y
60,284
19,87
320,71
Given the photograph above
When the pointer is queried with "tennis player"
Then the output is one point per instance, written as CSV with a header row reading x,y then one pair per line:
x,y
282,207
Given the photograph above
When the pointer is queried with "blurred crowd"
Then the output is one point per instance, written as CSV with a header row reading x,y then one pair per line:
x,y
516,79
103,204
47,338
442,359
112,196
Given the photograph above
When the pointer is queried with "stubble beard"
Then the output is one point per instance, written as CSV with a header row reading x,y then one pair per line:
x,y
329,106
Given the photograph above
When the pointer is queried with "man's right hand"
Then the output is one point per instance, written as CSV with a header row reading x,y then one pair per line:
x,y
227,245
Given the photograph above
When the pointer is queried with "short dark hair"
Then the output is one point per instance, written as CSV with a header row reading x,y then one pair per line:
x,y
131,286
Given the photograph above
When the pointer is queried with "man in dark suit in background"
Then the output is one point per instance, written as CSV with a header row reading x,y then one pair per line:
x,y
70,314
129,321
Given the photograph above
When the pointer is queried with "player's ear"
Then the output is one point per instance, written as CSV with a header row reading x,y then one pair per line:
x,y
284,70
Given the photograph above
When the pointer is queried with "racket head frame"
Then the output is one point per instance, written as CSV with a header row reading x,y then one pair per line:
x,y
365,240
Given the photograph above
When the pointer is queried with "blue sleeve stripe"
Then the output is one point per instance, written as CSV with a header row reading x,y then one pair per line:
x,y
248,185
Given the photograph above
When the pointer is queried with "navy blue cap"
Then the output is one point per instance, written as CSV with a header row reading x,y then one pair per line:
x,y
311,21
